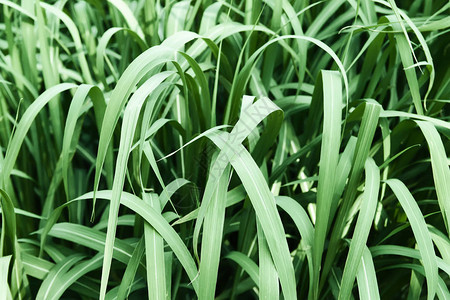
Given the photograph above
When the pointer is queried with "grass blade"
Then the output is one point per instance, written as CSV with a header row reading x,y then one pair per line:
x,y
332,103
154,253
366,277
420,231
362,228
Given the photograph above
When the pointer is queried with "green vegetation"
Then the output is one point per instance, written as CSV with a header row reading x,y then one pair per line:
x,y
237,149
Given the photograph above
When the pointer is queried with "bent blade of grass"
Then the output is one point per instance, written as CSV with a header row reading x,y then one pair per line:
x,y
420,231
367,278
406,252
145,62
299,216
246,263
264,204
18,8
69,144
92,239
442,289
171,189
442,125
442,243
304,226
241,80
25,124
95,239
209,18
248,121
160,224
362,228
129,125
127,14
439,166
49,283
103,43
70,277
329,156
36,267
406,55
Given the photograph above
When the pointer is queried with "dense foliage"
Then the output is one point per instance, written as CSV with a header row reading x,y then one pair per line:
x,y
235,149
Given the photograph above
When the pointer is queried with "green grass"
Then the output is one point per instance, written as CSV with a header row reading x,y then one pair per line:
x,y
229,150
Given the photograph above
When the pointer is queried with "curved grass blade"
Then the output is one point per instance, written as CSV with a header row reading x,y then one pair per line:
x,y
366,277
36,267
128,129
159,223
68,278
50,282
144,63
91,238
244,126
103,43
420,231
25,124
69,144
264,204
246,264
304,226
439,165
127,14
362,228
406,252
442,289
